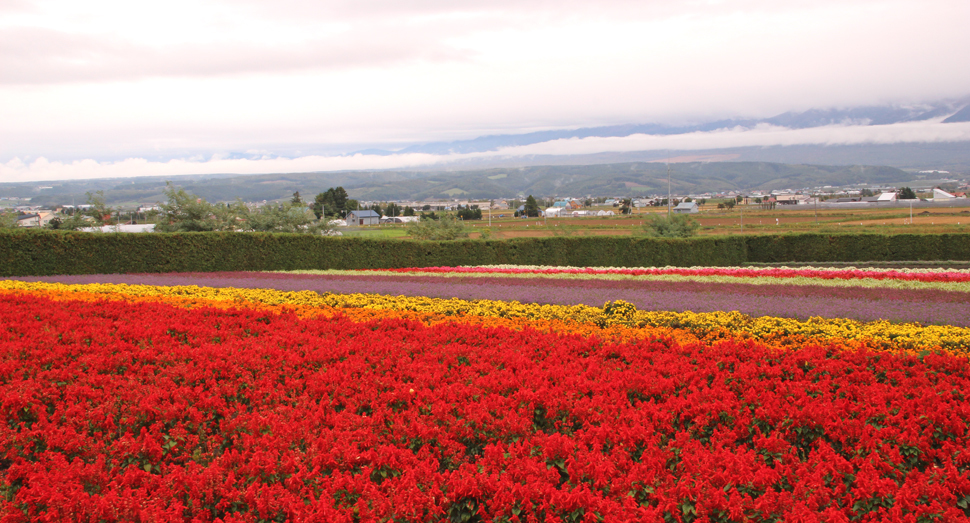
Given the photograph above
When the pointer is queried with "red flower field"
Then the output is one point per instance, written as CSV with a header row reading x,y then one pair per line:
x,y
120,410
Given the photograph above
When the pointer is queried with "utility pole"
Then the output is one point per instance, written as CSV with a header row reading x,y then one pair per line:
x,y
816,208
668,186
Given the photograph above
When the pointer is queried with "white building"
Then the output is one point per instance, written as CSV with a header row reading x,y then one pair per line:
x,y
887,197
940,194
793,199
686,208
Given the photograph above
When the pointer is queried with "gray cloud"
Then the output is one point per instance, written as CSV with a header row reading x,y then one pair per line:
x,y
44,56
378,33
533,10
15,6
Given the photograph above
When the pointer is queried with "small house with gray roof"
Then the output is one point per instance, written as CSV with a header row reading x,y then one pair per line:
x,y
367,217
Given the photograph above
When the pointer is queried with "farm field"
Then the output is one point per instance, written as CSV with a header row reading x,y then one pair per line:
x,y
375,232
755,221
488,394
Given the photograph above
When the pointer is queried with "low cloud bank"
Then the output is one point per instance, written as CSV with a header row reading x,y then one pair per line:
x,y
760,136
41,169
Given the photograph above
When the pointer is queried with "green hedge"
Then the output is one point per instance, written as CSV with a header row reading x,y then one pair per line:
x,y
857,247
25,253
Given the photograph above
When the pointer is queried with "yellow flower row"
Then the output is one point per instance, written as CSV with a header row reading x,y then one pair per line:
x,y
879,334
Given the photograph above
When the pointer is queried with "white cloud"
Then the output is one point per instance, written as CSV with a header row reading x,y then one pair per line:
x,y
760,136
42,169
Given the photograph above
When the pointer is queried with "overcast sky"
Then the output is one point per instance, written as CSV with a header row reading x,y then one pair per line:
x,y
120,88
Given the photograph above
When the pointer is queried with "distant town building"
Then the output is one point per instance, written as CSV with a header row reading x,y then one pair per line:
x,y
686,208
940,194
401,219
793,199
29,220
887,197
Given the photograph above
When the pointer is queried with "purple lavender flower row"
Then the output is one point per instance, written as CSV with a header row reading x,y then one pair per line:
x,y
865,293
780,300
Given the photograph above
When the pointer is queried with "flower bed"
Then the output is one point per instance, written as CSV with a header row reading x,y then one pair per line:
x,y
879,335
154,404
848,273
927,303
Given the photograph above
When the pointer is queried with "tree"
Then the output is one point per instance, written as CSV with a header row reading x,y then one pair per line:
x,y
74,222
98,209
296,200
377,208
907,194
677,226
323,204
470,214
186,212
392,210
626,205
282,217
531,207
408,211
446,228
332,202
341,200
729,204
865,192
8,220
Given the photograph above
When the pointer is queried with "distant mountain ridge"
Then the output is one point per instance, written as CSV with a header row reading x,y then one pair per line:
x,y
952,110
614,179
624,179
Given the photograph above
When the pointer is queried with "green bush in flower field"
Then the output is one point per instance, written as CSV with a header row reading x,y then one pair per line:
x,y
673,226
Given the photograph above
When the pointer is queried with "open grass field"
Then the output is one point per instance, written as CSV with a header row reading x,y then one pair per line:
x,y
751,220
375,232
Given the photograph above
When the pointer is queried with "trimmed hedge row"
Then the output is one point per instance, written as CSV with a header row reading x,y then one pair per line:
x,y
857,247
52,252
37,253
